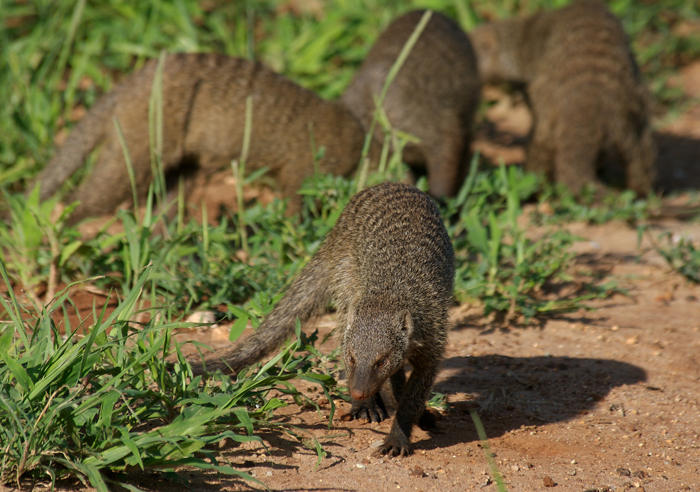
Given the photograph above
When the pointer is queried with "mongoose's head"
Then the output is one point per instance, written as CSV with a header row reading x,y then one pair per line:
x,y
375,343
496,58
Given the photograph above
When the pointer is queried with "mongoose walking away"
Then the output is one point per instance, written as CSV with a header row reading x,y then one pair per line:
x,y
588,101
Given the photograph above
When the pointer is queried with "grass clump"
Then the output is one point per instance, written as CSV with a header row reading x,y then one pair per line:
x,y
498,263
557,205
122,396
681,253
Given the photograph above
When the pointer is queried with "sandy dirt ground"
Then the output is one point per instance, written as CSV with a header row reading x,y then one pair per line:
x,y
597,400
606,399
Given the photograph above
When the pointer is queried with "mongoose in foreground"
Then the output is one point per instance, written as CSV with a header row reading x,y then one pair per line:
x,y
433,97
388,265
589,105
203,121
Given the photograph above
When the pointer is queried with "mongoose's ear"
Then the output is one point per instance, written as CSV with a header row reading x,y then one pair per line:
x,y
407,323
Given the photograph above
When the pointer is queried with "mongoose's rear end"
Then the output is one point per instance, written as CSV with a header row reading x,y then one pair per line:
x,y
433,97
389,266
589,105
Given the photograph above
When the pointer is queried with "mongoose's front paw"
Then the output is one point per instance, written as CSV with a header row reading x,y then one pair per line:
x,y
395,445
371,409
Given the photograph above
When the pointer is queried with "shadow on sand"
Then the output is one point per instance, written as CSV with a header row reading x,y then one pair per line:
x,y
524,391
678,163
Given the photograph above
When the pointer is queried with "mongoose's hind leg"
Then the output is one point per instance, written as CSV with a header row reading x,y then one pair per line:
x,y
578,146
410,408
445,164
540,153
575,164
107,187
290,178
640,161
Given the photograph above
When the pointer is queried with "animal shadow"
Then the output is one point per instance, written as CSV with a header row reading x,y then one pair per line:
x,y
522,391
678,162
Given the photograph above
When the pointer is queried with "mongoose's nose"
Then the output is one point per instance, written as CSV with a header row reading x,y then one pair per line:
x,y
359,394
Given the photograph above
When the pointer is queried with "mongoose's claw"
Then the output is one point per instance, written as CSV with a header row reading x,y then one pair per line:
x,y
393,450
369,410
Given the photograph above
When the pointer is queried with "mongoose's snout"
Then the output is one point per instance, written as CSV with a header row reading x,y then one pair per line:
x,y
363,382
360,394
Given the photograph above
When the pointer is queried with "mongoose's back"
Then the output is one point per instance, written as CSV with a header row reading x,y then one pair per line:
x,y
203,124
433,97
394,248
584,87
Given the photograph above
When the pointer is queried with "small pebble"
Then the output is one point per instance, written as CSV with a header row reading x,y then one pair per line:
x,y
548,482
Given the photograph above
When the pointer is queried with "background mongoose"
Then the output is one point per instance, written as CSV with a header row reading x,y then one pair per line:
x,y
433,97
389,266
585,92
203,120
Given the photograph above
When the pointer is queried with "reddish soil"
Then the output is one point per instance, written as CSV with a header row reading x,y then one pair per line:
x,y
606,399
593,399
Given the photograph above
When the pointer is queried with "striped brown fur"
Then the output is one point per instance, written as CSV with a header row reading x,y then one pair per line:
x,y
388,265
589,104
433,97
203,120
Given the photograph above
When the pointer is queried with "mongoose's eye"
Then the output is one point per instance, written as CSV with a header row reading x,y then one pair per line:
x,y
381,363
352,360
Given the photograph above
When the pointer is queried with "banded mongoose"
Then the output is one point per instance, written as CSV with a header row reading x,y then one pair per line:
x,y
388,265
203,120
588,101
433,97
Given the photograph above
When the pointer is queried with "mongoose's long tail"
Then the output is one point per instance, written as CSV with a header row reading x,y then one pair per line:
x,y
308,294
82,139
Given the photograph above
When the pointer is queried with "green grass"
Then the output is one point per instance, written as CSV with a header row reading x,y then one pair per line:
x,y
682,253
118,394
495,472
557,205
122,396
